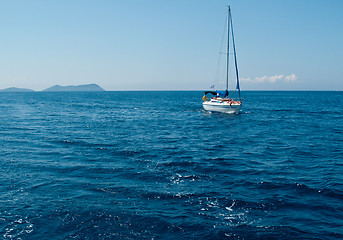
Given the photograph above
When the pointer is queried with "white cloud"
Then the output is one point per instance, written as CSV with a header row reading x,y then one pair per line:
x,y
291,78
271,79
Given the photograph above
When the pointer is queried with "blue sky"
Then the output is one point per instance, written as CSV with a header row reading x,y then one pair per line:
x,y
170,45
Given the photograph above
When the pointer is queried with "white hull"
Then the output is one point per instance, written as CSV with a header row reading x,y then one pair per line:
x,y
224,107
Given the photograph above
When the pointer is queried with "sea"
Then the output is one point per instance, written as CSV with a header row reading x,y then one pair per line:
x,y
155,165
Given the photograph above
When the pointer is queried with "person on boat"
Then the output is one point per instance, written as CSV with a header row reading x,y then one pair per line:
x,y
228,100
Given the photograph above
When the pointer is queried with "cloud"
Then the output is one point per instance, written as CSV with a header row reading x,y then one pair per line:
x,y
272,79
291,78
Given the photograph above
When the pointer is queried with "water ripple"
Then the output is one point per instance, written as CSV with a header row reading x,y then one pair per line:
x,y
154,165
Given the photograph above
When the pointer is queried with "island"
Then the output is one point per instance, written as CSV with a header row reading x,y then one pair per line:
x,y
79,88
14,89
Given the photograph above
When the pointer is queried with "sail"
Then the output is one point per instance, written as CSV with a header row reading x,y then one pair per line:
x,y
235,56
221,94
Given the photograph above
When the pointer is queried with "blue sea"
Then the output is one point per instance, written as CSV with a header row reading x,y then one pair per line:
x,y
155,165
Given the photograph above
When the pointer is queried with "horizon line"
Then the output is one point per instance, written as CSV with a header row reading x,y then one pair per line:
x,y
172,90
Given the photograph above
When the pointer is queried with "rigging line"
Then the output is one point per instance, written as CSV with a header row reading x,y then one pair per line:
x,y
216,76
224,34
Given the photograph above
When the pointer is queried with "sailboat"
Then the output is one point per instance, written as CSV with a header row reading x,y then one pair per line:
x,y
221,100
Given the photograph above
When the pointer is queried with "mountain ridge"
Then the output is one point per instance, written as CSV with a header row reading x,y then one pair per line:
x,y
58,88
78,88
15,89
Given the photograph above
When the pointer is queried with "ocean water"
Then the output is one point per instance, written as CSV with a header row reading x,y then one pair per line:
x,y
155,165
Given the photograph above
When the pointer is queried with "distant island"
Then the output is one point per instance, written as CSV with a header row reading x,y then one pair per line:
x,y
14,89
79,88
58,88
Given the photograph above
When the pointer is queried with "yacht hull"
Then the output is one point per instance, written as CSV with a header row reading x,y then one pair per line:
x,y
223,107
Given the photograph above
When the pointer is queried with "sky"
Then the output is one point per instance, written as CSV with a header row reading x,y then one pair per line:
x,y
170,45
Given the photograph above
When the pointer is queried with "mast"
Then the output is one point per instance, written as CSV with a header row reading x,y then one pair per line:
x,y
227,54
